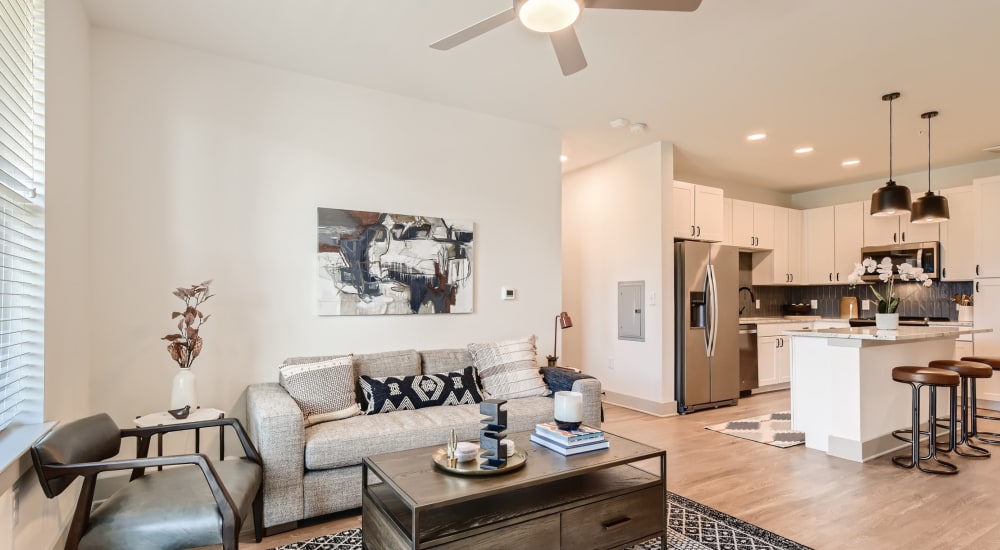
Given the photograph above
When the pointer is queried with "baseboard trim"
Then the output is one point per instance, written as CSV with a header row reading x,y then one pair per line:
x,y
654,408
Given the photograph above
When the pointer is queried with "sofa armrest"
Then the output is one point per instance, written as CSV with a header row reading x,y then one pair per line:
x,y
592,404
276,427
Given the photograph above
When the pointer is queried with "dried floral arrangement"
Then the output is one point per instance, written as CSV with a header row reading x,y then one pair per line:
x,y
186,344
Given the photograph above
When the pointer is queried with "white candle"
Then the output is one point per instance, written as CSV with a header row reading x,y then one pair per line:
x,y
569,406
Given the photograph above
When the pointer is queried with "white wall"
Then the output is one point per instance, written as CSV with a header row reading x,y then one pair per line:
x,y
207,167
941,178
613,220
26,516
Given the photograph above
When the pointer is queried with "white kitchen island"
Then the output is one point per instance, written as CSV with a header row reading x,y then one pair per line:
x,y
842,392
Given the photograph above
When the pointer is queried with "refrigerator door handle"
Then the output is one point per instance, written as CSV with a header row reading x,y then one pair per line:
x,y
713,311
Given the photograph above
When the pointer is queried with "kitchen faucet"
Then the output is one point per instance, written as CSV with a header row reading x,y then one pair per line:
x,y
752,297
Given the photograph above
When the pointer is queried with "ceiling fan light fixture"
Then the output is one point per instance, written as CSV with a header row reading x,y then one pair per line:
x,y
547,15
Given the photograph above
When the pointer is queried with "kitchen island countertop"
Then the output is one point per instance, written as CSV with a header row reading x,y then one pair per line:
x,y
873,333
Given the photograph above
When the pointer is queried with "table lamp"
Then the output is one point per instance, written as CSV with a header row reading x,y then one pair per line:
x,y
562,321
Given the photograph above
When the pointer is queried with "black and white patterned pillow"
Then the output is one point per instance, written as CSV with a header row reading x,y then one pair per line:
x,y
402,393
324,390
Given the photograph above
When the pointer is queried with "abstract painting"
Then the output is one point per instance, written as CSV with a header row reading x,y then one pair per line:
x,y
375,263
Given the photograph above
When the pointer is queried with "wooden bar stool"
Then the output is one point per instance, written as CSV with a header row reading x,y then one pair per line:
x,y
918,377
967,371
993,437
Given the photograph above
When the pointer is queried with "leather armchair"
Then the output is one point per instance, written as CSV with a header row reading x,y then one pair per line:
x,y
196,503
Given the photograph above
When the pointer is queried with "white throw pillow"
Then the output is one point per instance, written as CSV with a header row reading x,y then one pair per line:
x,y
509,369
324,390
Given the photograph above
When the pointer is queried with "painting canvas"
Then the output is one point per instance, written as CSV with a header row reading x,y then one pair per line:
x,y
375,263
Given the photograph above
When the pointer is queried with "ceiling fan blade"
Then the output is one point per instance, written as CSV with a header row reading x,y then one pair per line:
x,y
651,5
479,28
568,50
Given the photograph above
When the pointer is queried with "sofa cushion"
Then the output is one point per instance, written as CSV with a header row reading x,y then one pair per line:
x,y
324,390
445,360
345,443
390,363
509,369
396,393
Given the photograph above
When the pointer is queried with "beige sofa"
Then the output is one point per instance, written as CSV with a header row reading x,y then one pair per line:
x,y
316,470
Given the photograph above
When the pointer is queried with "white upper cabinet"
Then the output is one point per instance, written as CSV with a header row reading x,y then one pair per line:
x,y
783,264
958,253
698,212
837,229
987,197
883,230
727,221
753,225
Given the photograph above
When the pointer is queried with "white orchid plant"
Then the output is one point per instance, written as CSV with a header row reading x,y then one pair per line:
x,y
888,302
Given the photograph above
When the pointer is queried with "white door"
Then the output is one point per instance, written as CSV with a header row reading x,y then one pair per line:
x,y
918,232
743,235
794,246
847,240
763,225
780,249
727,221
708,214
879,230
819,229
683,210
986,315
958,254
987,191
783,359
767,348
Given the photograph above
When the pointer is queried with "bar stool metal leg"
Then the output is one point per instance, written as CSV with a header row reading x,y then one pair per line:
x,y
946,468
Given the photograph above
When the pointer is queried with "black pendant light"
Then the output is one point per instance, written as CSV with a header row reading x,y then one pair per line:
x,y
890,199
929,208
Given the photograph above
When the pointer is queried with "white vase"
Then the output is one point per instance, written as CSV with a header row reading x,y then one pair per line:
x,y
183,391
887,321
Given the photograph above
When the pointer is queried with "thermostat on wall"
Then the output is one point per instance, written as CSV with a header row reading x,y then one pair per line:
x,y
508,293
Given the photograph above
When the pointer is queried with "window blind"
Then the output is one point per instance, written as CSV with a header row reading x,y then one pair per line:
x,y
22,210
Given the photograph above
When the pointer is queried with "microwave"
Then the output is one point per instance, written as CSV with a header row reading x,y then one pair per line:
x,y
925,255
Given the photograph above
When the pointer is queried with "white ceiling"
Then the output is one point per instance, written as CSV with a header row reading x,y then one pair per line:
x,y
807,72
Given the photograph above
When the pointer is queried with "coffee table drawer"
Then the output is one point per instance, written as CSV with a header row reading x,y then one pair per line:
x,y
615,521
537,533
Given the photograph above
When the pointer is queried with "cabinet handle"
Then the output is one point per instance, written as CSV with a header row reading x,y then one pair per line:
x,y
894,238
831,277
615,523
791,277
977,269
692,231
977,286
904,237
699,231
838,275
944,272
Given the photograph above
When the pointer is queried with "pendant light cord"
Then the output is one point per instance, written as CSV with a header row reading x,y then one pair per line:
x,y
929,154
890,140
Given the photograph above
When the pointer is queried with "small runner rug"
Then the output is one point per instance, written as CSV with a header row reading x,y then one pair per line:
x,y
690,526
773,429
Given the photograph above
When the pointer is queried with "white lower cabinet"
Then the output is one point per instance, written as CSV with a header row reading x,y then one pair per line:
x,y
774,353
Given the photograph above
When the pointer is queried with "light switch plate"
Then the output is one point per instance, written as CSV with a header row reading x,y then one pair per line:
x,y
508,293
758,304
814,304
864,305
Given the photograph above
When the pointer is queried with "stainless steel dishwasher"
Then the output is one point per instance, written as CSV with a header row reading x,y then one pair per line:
x,y
748,358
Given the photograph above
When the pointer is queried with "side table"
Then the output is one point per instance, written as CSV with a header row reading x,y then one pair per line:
x,y
165,419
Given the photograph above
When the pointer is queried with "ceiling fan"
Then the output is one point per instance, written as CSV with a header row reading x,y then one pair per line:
x,y
555,18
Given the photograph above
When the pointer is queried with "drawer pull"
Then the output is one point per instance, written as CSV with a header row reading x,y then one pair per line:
x,y
615,523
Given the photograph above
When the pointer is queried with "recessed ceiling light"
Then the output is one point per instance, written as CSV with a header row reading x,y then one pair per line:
x,y
803,150
851,162
756,137
563,158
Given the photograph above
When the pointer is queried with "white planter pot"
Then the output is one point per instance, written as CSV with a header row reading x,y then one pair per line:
x,y
887,321
183,391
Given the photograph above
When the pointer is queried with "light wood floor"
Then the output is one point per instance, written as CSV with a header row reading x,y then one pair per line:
x,y
799,493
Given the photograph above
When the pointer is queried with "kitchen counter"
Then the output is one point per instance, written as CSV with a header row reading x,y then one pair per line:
x,y
795,319
842,392
873,333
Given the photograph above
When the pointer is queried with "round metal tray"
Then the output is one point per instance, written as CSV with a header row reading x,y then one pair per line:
x,y
471,468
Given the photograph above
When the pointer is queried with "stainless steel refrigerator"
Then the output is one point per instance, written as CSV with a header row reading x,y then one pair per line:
x,y
706,340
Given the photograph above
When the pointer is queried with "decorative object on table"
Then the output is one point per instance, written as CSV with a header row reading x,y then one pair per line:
x,y
376,263
568,412
509,445
569,442
452,448
773,429
963,303
467,450
186,344
690,525
890,199
473,467
492,433
181,413
562,322
929,208
848,307
887,317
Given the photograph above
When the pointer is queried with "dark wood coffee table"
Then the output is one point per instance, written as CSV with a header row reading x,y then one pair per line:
x,y
592,500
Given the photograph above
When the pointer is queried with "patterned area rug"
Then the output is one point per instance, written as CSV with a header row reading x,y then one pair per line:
x,y
690,526
774,429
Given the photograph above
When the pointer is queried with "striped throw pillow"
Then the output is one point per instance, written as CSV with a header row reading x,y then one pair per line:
x,y
324,390
509,369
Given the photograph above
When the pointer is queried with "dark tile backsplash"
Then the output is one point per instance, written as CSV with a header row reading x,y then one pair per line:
x,y
933,301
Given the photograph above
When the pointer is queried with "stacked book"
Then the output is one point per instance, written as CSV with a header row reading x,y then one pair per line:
x,y
569,442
